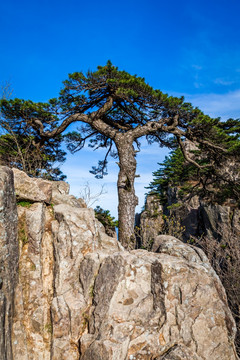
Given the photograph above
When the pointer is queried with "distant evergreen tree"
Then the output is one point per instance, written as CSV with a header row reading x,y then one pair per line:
x,y
107,220
174,171
22,147
216,183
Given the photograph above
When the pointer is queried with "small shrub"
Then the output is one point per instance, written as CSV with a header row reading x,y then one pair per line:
x,y
174,206
25,203
172,226
106,219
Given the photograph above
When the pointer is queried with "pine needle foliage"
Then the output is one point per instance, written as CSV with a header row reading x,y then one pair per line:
x,y
21,145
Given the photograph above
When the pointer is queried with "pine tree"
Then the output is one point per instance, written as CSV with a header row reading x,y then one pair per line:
x,y
116,109
22,147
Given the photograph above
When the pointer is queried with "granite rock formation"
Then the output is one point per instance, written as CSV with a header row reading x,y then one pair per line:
x,y
8,260
196,217
78,295
149,223
213,227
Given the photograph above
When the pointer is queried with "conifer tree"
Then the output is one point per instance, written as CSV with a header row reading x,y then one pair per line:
x,y
20,143
116,110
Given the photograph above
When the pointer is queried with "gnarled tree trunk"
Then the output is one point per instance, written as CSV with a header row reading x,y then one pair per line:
x,y
127,200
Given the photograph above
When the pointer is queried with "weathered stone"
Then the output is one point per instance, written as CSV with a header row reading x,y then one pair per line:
x,y
8,260
149,223
60,195
82,296
32,321
213,227
60,187
31,189
173,297
220,222
39,190
178,352
153,301
58,199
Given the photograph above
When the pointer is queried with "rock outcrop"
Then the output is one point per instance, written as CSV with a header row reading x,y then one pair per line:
x,y
196,218
79,295
213,227
149,223
8,260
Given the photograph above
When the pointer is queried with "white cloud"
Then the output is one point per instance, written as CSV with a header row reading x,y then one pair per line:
x,y
224,82
218,105
197,84
225,105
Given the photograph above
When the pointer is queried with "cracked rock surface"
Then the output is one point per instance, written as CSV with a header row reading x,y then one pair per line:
x,y
78,295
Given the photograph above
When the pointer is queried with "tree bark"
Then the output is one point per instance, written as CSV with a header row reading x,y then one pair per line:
x,y
127,200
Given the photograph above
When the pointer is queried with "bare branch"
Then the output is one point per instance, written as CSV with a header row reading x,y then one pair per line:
x,y
90,198
6,90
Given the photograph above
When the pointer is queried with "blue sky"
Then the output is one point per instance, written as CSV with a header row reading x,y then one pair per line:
x,y
189,48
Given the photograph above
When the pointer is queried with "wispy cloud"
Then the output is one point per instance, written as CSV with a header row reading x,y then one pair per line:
x,y
224,82
218,105
198,84
225,105
197,67
196,75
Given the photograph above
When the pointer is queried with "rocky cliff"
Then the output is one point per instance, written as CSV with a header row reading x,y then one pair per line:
x,y
210,226
69,291
8,260
192,219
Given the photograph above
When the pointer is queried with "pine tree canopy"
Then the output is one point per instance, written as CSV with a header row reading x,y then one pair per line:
x,y
21,145
115,110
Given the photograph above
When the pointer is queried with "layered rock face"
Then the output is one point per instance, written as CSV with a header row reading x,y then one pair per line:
x,y
79,295
196,217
